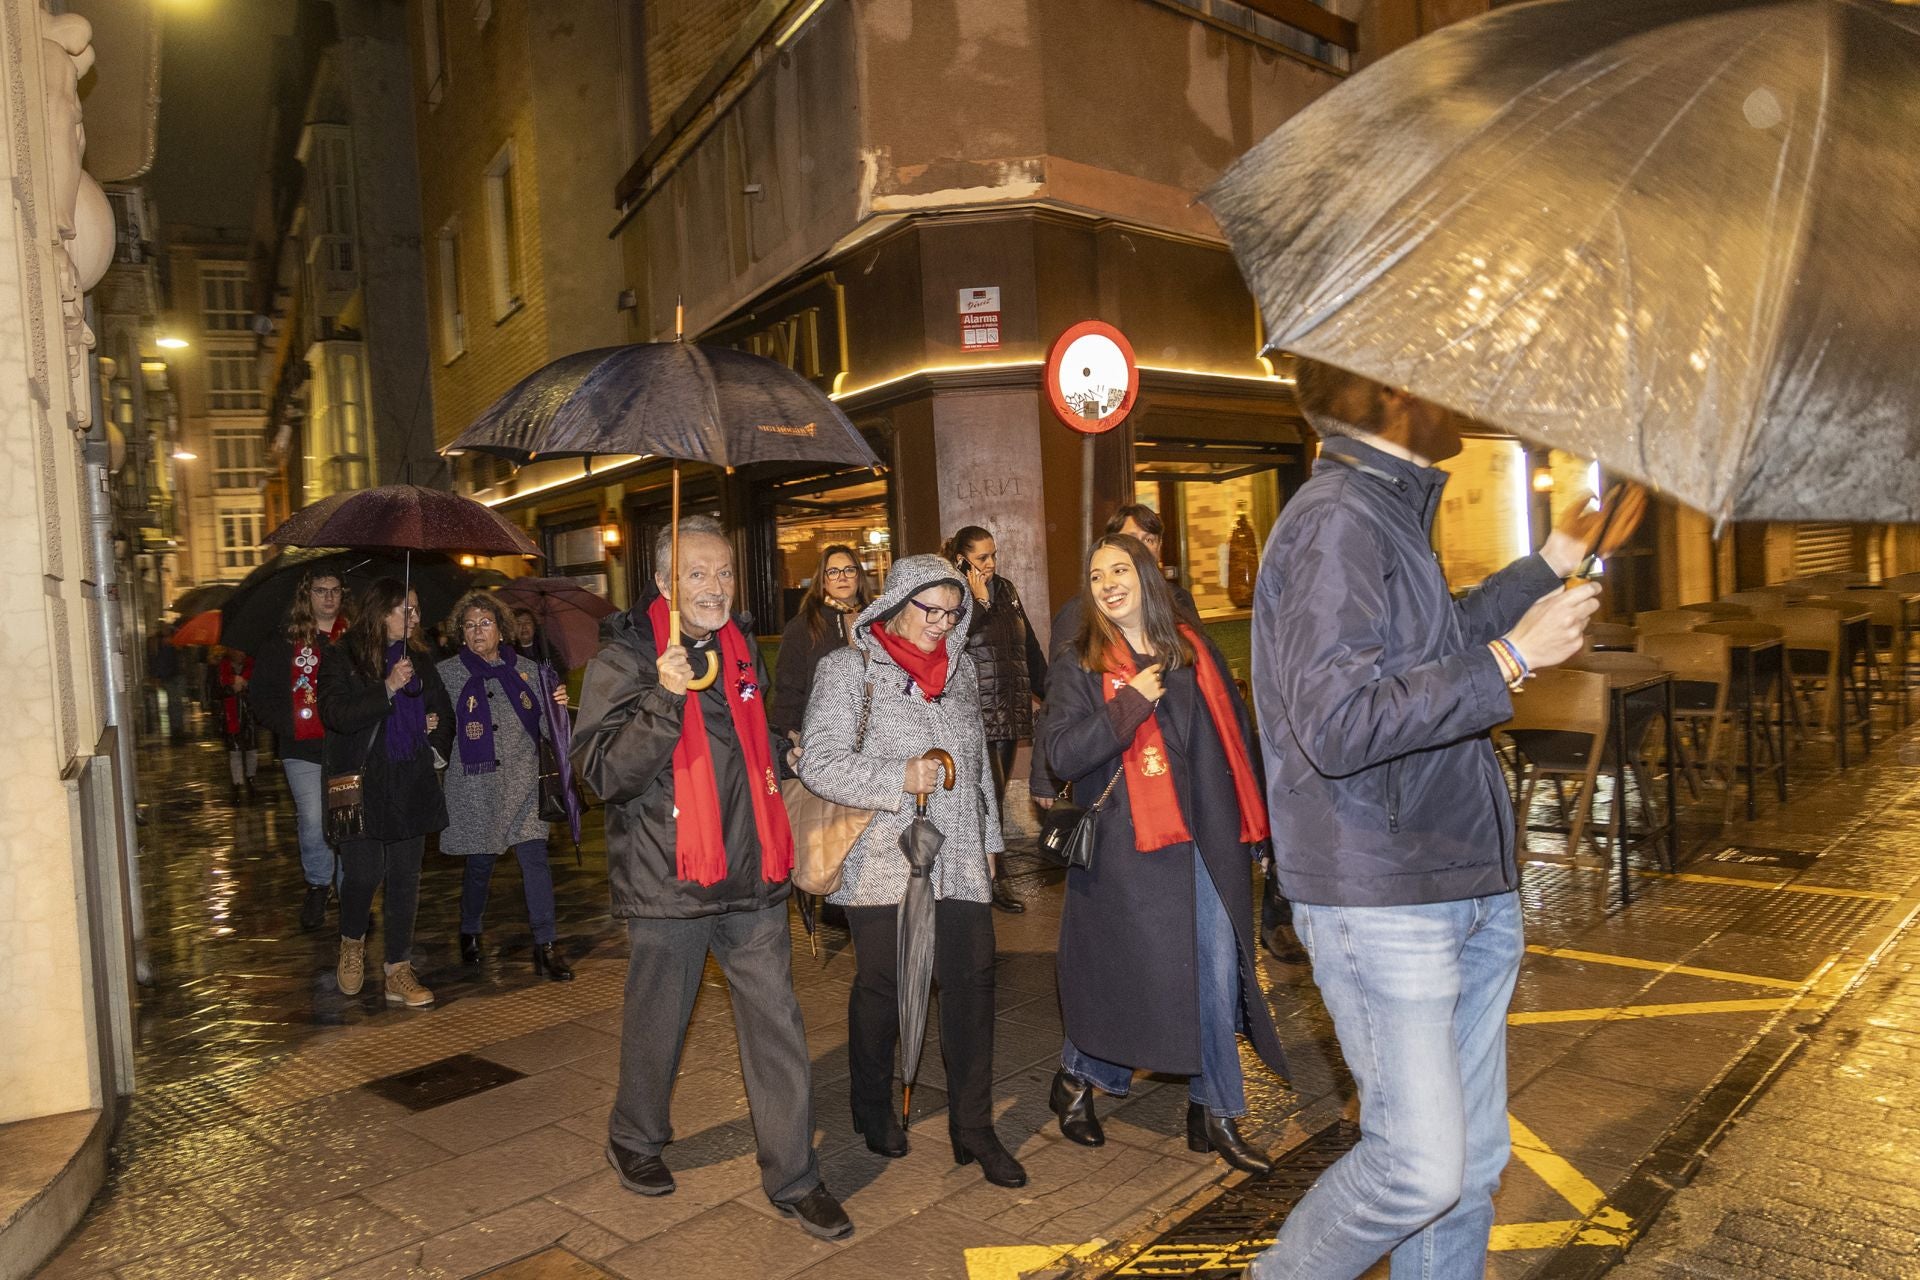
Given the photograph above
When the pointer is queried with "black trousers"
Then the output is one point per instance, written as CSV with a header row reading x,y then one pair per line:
x,y
963,973
365,865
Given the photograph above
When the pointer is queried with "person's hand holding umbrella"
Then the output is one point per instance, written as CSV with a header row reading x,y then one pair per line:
x,y
1590,532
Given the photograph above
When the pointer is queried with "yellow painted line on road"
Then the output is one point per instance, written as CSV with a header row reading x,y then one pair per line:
x,y
1626,1013
1010,1262
1554,1169
1820,890
1661,966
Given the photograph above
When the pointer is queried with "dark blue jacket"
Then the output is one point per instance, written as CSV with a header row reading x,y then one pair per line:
x,y
1376,692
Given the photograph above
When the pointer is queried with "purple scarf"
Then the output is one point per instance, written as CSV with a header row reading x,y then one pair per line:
x,y
472,721
407,714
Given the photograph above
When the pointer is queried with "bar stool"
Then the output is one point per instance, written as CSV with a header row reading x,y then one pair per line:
x,y
1559,731
1702,667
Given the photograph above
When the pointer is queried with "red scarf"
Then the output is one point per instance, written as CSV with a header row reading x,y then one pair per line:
x,y
230,696
929,670
1155,802
306,685
700,844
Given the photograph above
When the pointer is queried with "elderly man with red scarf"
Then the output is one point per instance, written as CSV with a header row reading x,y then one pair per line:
x,y
698,852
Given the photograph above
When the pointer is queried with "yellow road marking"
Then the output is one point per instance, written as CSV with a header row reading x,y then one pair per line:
x,y
1661,966
1624,1013
1553,1169
1010,1262
1821,890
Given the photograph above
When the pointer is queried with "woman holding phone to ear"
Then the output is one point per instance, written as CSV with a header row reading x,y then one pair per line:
x,y
1156,958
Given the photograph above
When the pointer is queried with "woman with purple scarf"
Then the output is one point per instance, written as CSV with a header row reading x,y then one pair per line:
x,y
493,776
388,719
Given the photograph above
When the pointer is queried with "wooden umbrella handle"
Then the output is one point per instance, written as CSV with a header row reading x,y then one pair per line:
x,y
673,591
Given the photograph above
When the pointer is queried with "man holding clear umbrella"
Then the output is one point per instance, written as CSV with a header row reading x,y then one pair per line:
x,y
699,852
1393,835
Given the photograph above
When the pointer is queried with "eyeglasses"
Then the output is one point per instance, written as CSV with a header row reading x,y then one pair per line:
x,y
477,624
843,571
936,616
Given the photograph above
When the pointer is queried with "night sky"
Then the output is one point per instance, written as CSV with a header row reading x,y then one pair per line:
x,y
215,64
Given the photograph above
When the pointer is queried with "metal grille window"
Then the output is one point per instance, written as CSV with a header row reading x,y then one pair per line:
x,y
240,534
223,297
233,383
1822,548
238,458
453,319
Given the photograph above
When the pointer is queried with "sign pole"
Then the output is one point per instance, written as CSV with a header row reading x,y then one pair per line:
x,y
1086,496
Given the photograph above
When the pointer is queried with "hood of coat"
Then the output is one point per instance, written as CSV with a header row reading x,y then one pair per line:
x,y
907,578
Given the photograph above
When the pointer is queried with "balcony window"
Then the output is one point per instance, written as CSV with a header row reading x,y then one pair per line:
x,y
240,534
233,383
223,297
453,320
238,458
434,15
503,235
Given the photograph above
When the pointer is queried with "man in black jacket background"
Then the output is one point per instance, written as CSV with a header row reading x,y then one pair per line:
x,y
1393,835
628,746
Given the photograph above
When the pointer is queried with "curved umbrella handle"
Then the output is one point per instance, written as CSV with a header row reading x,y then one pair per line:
x,y
947,776
713,659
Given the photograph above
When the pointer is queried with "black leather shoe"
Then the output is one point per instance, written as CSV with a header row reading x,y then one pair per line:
x,y
996,1161
818,1214
1003,899
647,1175
313,907
883,1133
1072,1103
1208,1132
469,948
549,962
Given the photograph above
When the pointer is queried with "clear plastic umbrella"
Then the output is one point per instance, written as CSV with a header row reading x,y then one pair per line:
x,y
1679,236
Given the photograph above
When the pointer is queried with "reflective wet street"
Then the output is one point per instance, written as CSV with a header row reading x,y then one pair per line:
x,y
281,1129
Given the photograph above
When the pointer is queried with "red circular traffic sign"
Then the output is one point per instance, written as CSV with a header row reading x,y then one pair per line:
x,y
1092,380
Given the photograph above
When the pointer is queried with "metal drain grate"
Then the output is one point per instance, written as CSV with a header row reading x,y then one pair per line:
x,y
1220,1239
439,1083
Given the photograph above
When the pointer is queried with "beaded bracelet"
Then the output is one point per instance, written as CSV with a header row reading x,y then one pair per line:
x,y
1510,669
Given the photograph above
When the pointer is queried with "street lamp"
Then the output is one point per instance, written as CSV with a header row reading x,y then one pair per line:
x,y
172,343
184,455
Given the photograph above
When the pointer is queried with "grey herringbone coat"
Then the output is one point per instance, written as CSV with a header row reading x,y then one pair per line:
x,y
901,724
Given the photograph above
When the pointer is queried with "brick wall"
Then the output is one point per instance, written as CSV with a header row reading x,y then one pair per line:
x,y
484,102
683,39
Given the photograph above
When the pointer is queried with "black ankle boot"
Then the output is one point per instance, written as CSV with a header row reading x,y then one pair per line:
x,y
1208,1132
996,1162
883,1133
1072,1103
551,963
469,948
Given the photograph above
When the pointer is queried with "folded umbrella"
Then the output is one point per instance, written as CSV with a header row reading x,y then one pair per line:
x,y
913,975
1679,236
560,728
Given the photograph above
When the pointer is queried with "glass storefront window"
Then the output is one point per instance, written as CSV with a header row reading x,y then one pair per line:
x,y
809,516
1216,525
1483,525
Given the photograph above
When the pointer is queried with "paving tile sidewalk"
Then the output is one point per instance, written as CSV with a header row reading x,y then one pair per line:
x,y
281,1129
1820,1179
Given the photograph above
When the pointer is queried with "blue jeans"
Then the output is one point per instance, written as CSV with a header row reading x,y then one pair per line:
x,y
307,786
1419,999
1219,1087
536,877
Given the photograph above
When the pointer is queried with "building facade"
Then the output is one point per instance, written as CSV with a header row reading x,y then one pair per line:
x,y
68,926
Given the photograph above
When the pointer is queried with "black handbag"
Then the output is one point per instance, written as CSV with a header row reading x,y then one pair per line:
x,y
1067,831
346,814
553,792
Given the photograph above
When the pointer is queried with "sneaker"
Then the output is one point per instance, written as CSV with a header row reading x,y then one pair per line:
x,y
404,988
313,907
352,969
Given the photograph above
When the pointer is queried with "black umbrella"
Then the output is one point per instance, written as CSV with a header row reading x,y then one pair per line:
x,y
259,606
1678,236
913,976
675,400
201,599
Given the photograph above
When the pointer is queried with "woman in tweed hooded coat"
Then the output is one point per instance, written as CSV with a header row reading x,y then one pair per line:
x,y
906,686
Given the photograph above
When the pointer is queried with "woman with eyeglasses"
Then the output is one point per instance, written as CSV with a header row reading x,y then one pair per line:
x,y
1012,665
493,776
285,693
905,687
389,720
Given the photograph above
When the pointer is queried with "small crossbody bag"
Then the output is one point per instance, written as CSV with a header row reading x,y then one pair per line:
x,y
1068,832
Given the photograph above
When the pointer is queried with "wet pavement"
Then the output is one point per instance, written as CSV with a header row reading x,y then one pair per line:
x,y
281,1129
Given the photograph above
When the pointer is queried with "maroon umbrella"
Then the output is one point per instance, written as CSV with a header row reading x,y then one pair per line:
x,y
404,517
568,614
